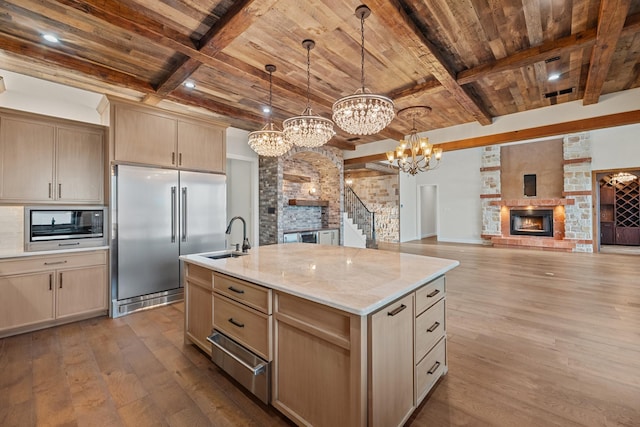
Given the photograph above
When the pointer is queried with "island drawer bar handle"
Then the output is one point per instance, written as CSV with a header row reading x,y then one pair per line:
x,y
60,280
236,323
50,282
433,294
433,327
59,191
236,290
396,310
49,190
433,368
55,262
256,370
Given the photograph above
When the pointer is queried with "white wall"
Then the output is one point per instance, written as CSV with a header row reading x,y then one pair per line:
x,y
615,147
42,97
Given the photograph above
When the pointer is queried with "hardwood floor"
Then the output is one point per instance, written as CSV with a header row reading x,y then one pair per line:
x,y
535,339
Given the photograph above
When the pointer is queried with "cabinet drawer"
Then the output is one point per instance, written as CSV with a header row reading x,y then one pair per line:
x,y
252,295
429,294
245,325
432,367
430,327
42,263
201,276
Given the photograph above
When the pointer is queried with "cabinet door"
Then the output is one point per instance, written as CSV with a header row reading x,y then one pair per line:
x,y
80,162
201,147
199,314
145,137
391,364
81,290
325,237
27,158
607,236
26,299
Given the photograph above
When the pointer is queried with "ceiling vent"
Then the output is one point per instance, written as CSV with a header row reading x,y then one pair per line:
x,y
558,92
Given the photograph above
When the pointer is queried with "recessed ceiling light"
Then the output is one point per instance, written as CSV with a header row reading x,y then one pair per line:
x,y
554,76
50,38
266,110
189,85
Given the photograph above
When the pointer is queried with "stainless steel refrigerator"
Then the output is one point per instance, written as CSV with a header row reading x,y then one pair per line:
x,y
157,215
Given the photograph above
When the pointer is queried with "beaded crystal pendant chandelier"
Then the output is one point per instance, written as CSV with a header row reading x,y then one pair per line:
x,y
422,156
308,130
269,141
363,113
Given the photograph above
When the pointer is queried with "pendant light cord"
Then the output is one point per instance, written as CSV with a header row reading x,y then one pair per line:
x,y
270,97
308,75
362,51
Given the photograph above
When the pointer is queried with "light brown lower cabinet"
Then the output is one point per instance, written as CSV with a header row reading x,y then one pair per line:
x,y
42,291
198,313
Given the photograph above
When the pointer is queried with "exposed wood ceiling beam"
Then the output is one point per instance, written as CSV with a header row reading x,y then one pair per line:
x,y
610,120
428,86
523,58
36,52
396,19
611,20
235,21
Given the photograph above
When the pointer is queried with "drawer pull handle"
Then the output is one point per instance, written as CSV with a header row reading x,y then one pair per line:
x,y
433,294
434,368
55,263
236,323
236,290
396,310
433,327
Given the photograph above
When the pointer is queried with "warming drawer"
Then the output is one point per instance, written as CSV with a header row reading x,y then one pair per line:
x,y
245,367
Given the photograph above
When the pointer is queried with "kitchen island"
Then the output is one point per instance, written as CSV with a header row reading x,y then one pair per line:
x,y
350,336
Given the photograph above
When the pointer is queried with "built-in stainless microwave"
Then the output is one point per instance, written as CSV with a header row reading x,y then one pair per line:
x,y
64,227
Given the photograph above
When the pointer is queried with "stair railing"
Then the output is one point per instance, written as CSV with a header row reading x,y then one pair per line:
x,y
361,216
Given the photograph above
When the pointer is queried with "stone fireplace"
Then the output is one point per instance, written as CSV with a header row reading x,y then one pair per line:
x,y
562,209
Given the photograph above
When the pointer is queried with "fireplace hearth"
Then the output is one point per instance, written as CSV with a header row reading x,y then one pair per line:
x,y
538,222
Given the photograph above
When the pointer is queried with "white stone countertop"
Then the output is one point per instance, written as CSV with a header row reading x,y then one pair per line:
x,y
354,280
20,254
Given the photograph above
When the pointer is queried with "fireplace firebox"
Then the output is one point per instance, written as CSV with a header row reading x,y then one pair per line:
x,y
537,222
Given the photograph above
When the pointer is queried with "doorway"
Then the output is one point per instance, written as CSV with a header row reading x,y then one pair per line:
x,y
242,194
428,211
618,211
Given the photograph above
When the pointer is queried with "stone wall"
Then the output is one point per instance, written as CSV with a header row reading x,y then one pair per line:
x,y
490,175
324,168
577,186
381,195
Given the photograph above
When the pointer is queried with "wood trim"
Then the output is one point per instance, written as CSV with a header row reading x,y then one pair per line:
x,y
573,161
574,126
491,169
490,196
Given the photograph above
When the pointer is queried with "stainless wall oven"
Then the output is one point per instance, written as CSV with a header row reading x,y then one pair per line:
x,y
64,227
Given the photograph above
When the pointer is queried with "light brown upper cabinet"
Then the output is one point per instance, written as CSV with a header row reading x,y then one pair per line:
x,y
151,136
44,160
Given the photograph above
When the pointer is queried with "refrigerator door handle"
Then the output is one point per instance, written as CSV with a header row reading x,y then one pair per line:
x,y
173,214
184,214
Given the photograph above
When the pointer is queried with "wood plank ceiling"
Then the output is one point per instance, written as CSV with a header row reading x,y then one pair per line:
x,y
469,60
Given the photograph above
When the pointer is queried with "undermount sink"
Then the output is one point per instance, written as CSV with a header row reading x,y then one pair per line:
x,y
226,255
